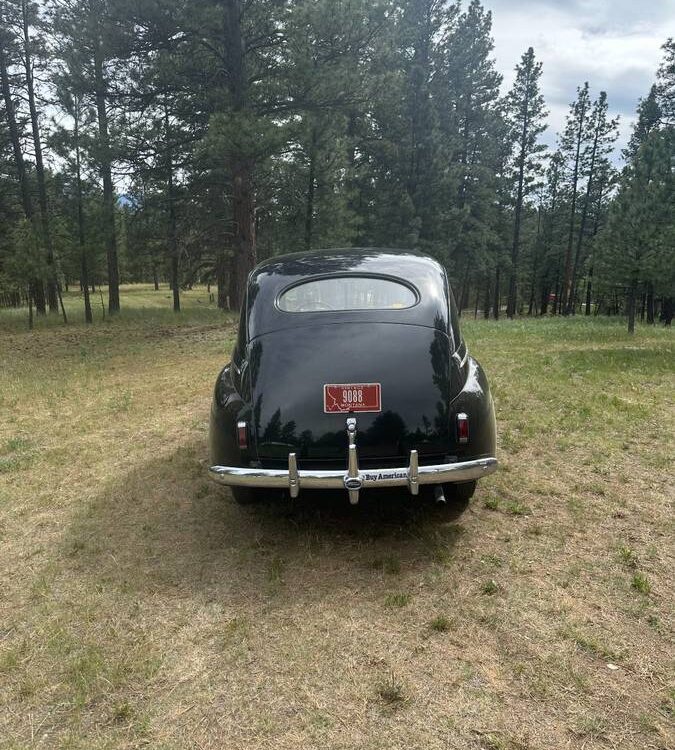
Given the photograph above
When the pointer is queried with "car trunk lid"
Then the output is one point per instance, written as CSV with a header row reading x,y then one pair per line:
x,y
410,365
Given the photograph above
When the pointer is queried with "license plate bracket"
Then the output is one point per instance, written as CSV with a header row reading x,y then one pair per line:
x,y
346,398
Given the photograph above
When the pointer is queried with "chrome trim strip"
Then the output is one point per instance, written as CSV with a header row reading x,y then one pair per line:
x,y
463,471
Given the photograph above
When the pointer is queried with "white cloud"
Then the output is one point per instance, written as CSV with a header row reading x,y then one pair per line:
x,y
615,46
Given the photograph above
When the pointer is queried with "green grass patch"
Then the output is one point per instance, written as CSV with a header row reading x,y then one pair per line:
x,y
141,607
397,599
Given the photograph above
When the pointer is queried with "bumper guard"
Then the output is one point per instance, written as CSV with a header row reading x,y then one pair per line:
x,y
354,479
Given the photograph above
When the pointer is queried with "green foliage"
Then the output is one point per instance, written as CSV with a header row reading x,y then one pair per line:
x,y
28,260
234,129
638,245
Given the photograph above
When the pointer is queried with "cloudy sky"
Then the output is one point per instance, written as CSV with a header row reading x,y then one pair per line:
x,y
612,44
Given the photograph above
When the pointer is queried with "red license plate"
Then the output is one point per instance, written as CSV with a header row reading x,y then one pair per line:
x,y
351,397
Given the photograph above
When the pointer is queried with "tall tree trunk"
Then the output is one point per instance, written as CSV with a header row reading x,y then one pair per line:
x,y
596,227
311,187
243,211
487,302
497,300
84,270
243,195
172,241
513,277
556,289
567,279
582,227
632,294
106,175
35,286
52,297
589,289
535,263
464,289
30,310
545,291
223,280
650,303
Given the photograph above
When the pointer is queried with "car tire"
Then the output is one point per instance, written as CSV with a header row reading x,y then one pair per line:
x,y
461,492
458,495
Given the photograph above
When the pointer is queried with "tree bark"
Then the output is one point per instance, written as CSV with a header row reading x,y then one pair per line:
x,y
545,291
589,289
632,293
52,297
535,264
172,241
84,270
35,286
30,310
650,303
463,300
311,187
106,176
513,278
582,227
566,290
243,195
486,304
496,298
243,213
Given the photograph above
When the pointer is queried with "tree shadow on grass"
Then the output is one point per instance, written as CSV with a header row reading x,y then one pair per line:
x,y
164,525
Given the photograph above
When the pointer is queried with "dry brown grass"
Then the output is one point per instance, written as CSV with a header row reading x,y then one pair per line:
x,y
140,607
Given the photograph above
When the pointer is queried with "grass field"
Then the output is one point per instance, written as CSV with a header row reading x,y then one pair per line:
x,y
140,607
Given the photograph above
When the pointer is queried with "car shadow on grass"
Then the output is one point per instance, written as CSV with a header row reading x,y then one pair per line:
x,y
163,524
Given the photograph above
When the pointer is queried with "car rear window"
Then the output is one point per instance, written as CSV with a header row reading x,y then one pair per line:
x,y
347,293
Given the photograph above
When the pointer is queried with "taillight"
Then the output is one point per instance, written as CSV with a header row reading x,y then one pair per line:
x,y
462,428
242,435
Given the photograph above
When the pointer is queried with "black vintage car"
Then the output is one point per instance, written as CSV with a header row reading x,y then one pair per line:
x,y
350,371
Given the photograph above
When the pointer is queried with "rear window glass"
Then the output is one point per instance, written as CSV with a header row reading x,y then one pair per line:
x,y
347,293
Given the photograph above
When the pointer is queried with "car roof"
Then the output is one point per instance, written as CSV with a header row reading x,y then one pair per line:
x,y
376,260
268,280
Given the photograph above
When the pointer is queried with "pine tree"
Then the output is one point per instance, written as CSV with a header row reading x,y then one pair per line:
x,y
648,118
553,205
572,145
473,130
638,245
29,18
525,113
602,133
97,38
599,199
68,145
665,84
8,54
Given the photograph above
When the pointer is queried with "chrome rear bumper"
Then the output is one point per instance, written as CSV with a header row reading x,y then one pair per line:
x,y
353,479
